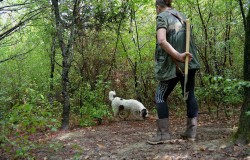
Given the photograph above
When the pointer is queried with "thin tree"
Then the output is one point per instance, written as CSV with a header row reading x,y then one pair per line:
x,y
66,45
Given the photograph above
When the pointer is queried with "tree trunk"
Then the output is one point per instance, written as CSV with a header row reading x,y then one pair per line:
x,y
67,56
243,133
227,49
52,69
207,44
65,94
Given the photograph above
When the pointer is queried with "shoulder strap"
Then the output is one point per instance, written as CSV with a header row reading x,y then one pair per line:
x,y
176,15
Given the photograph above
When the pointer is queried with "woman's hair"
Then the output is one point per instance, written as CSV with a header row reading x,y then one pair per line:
x,y
164,3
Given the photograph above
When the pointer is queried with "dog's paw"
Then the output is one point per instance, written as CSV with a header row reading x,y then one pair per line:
x,y
123,115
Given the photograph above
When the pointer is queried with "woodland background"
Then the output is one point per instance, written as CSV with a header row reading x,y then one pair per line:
x,y
59,60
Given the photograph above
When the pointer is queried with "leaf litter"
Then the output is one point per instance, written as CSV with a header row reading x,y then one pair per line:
x,y
126,140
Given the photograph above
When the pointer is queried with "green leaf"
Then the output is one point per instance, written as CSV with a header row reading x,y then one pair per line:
x,y
248,113
54,129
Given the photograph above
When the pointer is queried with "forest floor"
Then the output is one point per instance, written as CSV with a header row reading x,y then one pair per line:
x,y
126,140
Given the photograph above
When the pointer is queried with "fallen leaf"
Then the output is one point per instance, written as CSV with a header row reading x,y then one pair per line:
x,y
223,146
101,146
202,148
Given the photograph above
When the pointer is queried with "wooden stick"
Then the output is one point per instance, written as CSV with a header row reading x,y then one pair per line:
x,y
187,58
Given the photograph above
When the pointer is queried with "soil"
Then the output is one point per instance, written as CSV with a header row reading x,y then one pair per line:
x,y
126,140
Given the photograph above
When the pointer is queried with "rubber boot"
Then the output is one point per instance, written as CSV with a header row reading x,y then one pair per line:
x,y
190,132
162,133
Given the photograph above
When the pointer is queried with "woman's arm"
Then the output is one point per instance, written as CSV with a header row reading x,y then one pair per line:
x,y
162,41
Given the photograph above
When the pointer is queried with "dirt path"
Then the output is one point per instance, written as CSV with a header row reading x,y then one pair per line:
x,y
126,140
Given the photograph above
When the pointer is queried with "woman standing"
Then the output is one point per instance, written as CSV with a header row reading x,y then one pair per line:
x,y
170,57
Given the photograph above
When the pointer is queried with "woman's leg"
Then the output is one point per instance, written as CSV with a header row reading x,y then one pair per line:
x,y
192,105
163,90
162,123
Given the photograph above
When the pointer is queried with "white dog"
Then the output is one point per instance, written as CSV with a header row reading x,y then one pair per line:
x,y
129,105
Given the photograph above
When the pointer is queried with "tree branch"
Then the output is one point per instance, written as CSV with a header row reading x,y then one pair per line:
x,y
15,56
20,24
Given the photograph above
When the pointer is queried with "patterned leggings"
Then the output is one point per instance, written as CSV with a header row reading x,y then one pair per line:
x,y
166,87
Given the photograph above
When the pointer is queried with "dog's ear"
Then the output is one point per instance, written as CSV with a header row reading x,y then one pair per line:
x,y
143,113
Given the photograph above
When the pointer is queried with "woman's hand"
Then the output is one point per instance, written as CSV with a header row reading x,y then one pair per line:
x,y
182,56
162,41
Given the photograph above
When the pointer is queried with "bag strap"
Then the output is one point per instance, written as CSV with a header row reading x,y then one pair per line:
x,y
176,15
182,22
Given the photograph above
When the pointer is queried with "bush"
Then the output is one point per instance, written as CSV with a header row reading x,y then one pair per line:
x,y
90,107
224,93
19,125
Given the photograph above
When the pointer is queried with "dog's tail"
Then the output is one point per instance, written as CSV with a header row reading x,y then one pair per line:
x,y
111,95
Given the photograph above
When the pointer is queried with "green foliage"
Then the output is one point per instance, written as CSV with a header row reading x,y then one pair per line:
x,y
248,113
20,124
222,92
28,118
93,108
30,114
215,41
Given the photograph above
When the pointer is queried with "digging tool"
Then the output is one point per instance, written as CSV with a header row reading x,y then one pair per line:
x,y
185,96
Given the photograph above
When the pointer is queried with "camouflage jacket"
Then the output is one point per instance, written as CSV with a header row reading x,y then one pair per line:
x,y
165,67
